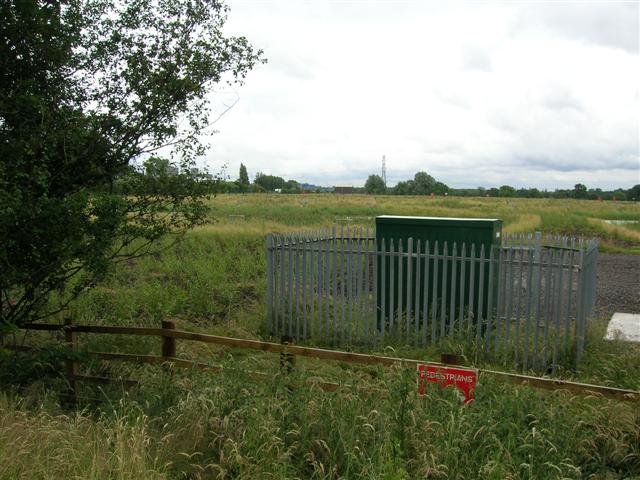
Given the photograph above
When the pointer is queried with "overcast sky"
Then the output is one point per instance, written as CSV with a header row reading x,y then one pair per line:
x,y
541,94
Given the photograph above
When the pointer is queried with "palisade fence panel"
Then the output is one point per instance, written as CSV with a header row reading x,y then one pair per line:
x,y
526,302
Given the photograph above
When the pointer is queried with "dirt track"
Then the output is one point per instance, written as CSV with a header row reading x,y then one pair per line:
x,y
618,284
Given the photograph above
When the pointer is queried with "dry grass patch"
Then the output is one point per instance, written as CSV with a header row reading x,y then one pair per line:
x,y
41,445
617,231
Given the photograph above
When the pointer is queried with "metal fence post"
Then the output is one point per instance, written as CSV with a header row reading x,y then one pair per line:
x,y
490,312
463,267
537,254
382,254
392,289
527,317
269,283
400,278
425,295
548,311
348,290
519,291
479,317
558,308
471,302
416,312
580,305
593,274
367,285
335,285
434,296
282,300
452,289
327,288
409,287
509,293
296,253
290,285
537,273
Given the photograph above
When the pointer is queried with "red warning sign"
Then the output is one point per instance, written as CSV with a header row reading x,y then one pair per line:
x,y
463,379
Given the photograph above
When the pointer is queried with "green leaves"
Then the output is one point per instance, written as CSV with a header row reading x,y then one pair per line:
x,y
89,87
243,178
375,185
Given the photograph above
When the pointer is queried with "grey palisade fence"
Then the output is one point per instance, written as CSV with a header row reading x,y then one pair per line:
x,y
338,286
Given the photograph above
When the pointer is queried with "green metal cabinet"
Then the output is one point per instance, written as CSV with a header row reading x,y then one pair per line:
x,y
467,231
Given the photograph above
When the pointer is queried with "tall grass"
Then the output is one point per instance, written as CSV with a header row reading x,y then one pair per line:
x,y
46,443
210,278
228,426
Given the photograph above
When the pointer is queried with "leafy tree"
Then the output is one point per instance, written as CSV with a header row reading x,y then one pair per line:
x,y
562,193
619,194
291,186
579,191
403,188
423,184
158,166
88,88
375,185
467,192
533,193
507,191
229,187
440,188
594,193
634,193
243,179
269,182
255,188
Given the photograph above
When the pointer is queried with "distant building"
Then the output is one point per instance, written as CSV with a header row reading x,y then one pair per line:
x,y
344,189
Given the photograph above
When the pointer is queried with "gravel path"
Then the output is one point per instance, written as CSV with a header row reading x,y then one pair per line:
x,y
618,284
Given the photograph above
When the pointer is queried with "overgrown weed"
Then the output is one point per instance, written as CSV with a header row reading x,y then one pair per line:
x,y
226,425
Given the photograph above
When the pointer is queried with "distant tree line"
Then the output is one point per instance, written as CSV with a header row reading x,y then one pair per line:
x,y
261,184
264,183
579,191
421,184
424,184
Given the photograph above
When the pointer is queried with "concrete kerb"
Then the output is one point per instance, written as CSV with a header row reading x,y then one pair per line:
x,y
624,326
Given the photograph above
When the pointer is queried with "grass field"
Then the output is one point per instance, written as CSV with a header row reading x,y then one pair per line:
x,y
201,425
266,213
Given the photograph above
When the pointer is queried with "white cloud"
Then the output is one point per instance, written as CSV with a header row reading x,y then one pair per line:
x,y
476,94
